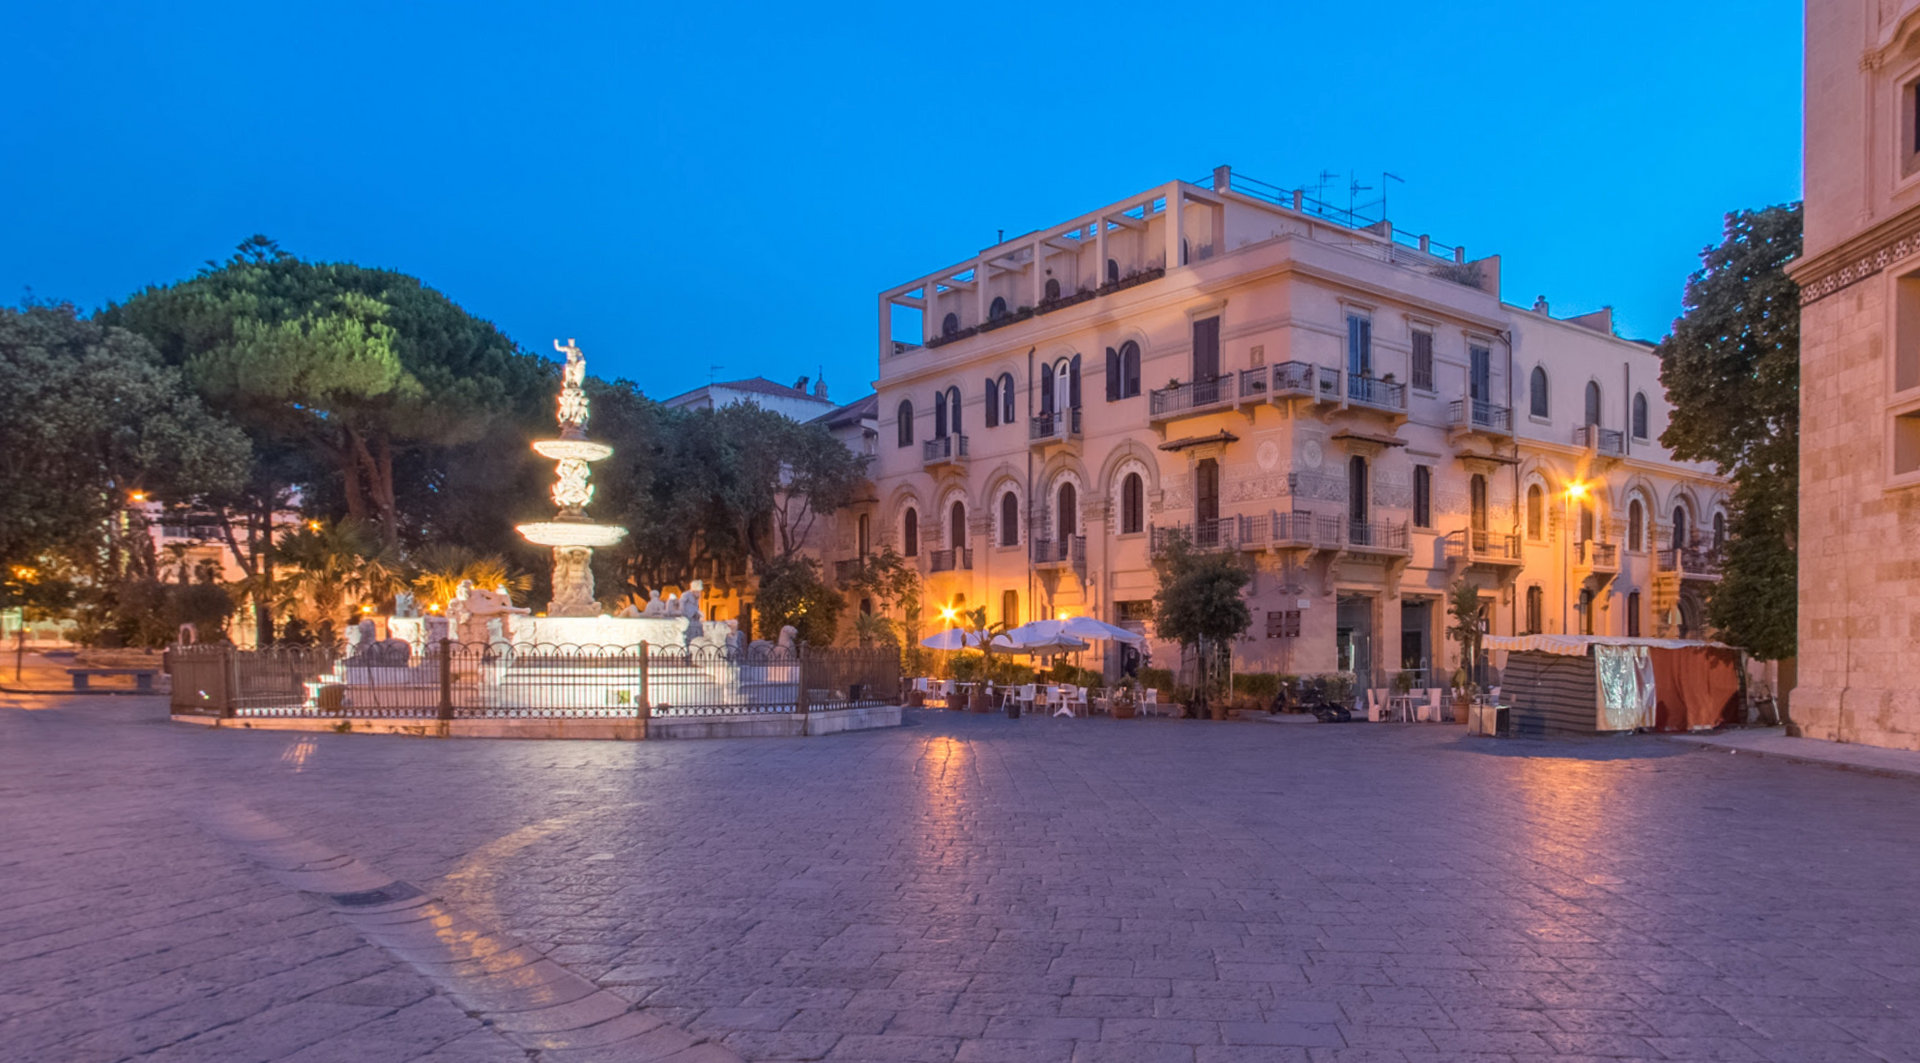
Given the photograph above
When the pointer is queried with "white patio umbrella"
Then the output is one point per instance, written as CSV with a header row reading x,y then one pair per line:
x,y
1058,642
959,638
1079,627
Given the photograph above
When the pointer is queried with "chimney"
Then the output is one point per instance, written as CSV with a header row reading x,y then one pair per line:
x,y
800,385
1540,305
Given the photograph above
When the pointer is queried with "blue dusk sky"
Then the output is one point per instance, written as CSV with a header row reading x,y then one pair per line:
x,y
691,186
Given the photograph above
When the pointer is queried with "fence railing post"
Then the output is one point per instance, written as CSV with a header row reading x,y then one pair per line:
x,y
446,679
644,703
800,695
229,681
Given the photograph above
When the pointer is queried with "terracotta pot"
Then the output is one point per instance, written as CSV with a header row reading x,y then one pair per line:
x,y
980,703
916,699
1461,703
1218,710
1123,710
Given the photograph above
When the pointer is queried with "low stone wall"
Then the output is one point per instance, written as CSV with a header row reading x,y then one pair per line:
x,y
745,725
775,725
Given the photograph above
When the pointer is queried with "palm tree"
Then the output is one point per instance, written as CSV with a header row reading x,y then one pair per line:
x,y
332,568
439,570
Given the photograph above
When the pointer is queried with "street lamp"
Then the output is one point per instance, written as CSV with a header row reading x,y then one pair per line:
x,y
1576,490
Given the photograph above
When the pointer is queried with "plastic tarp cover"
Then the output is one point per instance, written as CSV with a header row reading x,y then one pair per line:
x,y
1695,687
1624,676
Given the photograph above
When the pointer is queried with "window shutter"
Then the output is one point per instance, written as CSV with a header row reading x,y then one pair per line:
x,y
993,404
1113,375
1073,383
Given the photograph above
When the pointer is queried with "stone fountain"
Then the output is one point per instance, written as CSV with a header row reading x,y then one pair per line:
x,y
571,533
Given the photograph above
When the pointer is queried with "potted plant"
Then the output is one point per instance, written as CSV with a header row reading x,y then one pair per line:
x,y
1123,705
1463,606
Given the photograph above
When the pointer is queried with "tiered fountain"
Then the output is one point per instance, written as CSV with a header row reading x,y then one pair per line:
x,y
571,533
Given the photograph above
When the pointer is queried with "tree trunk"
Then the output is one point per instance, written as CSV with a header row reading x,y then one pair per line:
x,y
260,539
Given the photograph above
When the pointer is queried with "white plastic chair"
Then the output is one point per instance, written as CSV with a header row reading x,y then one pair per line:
x,y
1149,702
1376,705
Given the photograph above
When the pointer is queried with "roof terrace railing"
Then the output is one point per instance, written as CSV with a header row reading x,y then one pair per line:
x,y
1194,396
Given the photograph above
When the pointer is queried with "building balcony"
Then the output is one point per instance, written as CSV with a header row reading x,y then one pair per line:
x,y
1377,394
1287,380
1060,553
959,560
1474,415
1274,530
1592,556
1689,563
846,571
944,450
1606,442
1480,547
1381,537
1205,535
1050,429
1188,400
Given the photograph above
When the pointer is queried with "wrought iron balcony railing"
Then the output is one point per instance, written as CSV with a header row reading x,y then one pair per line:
x,y
951,560
1054,426
951,448
1480,416
1198,395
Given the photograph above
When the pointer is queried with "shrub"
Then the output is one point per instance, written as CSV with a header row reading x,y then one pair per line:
x,y
1160,679
1260,686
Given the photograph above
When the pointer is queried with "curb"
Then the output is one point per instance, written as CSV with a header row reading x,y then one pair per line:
x,y
1884,771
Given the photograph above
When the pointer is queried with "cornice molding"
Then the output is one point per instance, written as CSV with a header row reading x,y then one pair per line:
x,y
1858,257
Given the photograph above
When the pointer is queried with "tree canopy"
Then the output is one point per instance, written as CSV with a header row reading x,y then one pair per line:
x,y
91,421
1732,370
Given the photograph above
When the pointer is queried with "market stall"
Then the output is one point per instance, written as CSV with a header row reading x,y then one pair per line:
x,y
1597,684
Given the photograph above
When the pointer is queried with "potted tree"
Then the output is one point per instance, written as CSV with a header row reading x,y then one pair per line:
x,y
1463,607
1199,606
1124,703
981,633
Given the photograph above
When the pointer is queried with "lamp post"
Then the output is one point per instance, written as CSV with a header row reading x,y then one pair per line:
x,y
1576,489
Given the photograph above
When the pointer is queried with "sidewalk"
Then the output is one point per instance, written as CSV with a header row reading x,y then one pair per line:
x,y
44,677
1773,742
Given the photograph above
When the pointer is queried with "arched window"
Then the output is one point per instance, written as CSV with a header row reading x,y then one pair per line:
x,y
1046,389
1536,602
1477,504
1422,496
950,325
1010,608
997,309
1636,526
1129,369
1067,513
1009,519
910,533
1633,614
1719,530
1586,610
1536,512
1113,272
904,423
864,535
1006,399
1640,415
1184,255
993,403
1053,288
1593,402
1680,530
953,410
1586,525
957,525
939,415
1133,508
1537,392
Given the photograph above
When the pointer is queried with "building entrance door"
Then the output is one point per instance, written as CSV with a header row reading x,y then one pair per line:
x,y
1416,639
1353,637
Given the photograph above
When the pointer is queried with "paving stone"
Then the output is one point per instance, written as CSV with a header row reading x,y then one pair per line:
x,y
1445,898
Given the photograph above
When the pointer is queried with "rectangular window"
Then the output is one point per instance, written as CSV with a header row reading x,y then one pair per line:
x,y
1479,374
1139,611
1206,349
1422,496
1423,361
1910,128
1906,332
1906,444
1359,345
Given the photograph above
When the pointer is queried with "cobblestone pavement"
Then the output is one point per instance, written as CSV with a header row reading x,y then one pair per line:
x,y
972,889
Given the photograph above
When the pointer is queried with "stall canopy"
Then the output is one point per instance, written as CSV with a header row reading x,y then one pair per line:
x,y
1590,683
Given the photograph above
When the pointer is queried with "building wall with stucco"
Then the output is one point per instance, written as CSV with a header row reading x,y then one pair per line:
x,y
1859,595
1291,450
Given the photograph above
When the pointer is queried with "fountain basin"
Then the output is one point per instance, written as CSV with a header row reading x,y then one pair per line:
x,y
562,449
571,533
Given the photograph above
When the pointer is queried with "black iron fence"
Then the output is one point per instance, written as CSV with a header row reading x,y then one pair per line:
x,y
468,681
